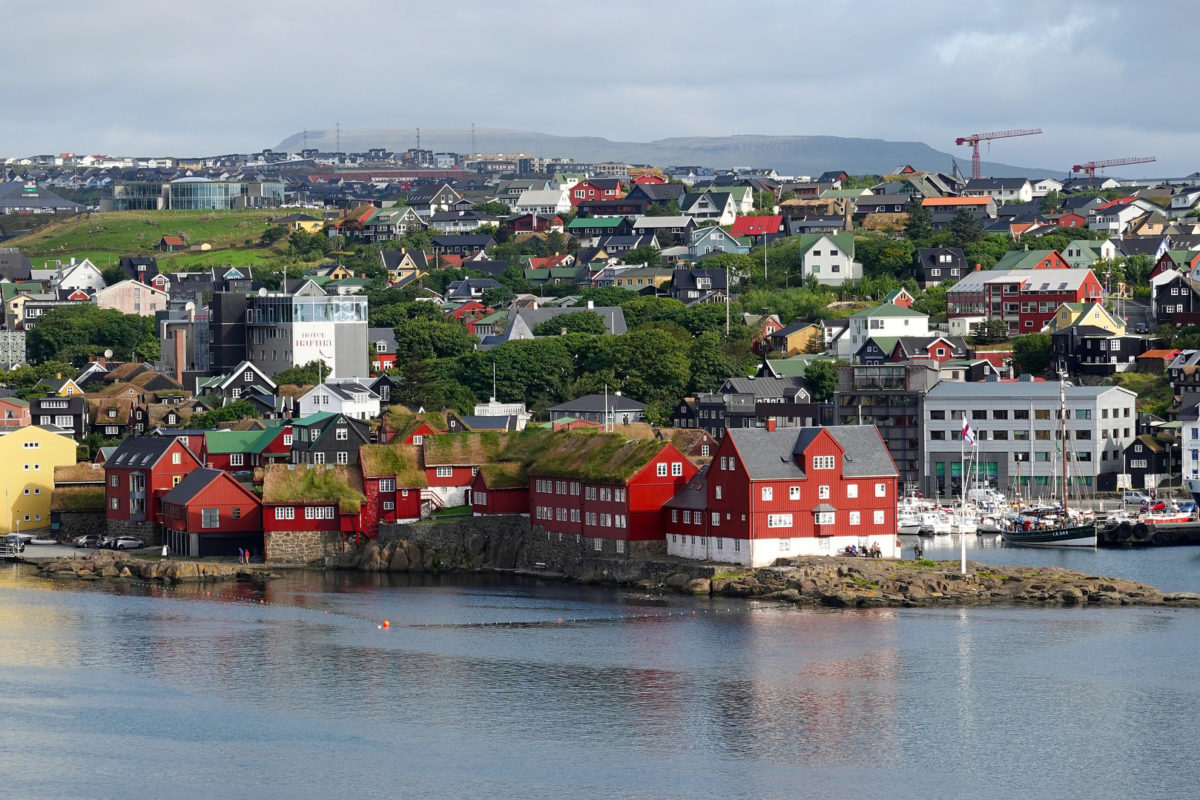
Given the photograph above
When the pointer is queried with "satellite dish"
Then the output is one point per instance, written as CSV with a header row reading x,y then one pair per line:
x,y
189,306
108,353
262,292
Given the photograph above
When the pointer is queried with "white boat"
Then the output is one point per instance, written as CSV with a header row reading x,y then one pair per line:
x,y
908,523
935,523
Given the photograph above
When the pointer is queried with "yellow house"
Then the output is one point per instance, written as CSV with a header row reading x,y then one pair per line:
x,y
301,223
403,266
28,457
1090,314
795,338
641,278
58,386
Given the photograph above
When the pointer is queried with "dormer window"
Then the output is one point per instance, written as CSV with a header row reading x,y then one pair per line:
x,y
112,413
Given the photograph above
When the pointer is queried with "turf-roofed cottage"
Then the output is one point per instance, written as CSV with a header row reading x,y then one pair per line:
x,y
452,461
311,512
772,494
502,486
400,425
394,484
606,488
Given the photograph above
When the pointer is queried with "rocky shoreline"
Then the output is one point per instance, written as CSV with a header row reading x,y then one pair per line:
x,y
104,564
817,581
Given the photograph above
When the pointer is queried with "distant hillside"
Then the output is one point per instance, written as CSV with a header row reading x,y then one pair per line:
x,y
799,155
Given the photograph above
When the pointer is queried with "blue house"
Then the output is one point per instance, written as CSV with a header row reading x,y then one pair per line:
x,y
706,241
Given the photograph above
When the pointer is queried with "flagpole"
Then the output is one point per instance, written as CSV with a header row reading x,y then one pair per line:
x,y
962,502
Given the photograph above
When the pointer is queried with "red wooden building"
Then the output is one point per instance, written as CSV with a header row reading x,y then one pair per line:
x,y
501,488
139,473
592,189
607,488
211,514
451,461
311,512
774,493
237,451
535,223
1026,299
408,428
393,483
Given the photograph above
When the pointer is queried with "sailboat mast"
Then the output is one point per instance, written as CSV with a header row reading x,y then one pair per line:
x,y
1062,432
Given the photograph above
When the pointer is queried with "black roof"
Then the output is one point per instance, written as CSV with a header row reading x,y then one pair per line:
x,y
140,451
192,484
596,403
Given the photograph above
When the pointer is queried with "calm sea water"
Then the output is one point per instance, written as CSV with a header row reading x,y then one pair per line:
x,y
486,687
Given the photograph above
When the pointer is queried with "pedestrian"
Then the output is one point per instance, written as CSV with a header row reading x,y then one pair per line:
x,y
165,550
241,556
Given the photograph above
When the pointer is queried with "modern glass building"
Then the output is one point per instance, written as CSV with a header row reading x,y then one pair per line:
x,y
196,194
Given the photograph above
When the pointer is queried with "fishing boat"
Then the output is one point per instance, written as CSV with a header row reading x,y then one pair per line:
x,y
1054,526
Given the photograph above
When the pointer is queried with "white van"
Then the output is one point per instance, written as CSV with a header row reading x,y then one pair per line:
x,y
986,497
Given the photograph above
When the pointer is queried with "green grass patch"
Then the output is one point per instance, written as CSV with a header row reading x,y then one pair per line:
x,y
1153,391
453,511
729,574
863,583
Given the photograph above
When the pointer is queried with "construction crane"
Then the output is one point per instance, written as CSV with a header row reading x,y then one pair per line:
x,y
1091,166
975,138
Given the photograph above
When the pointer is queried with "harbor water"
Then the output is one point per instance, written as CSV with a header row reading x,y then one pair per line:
x,y
485,686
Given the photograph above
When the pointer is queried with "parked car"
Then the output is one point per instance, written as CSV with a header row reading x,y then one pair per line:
x,y
87,540
128,543
1135,498
14,542
1141,327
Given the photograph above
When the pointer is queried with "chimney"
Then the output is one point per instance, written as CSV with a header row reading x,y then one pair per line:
x,y
978,267
771,424
179,355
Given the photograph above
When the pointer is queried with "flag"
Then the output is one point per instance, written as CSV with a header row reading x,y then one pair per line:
x,y
968,435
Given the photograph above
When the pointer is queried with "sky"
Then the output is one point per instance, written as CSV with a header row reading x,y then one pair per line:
x,y
139,77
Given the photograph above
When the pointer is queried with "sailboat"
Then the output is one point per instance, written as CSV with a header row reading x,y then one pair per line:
x,y
1052,527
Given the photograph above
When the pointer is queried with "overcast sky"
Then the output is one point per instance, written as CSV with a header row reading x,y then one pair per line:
x,y
140,77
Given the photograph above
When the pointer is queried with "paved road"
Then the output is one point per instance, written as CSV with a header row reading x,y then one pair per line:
x,y
1136,311
40,552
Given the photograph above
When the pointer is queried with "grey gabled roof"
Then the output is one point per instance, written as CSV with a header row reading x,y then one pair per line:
x,y
192,484
613,316
596,403
763,388
771,455
140,451
693,494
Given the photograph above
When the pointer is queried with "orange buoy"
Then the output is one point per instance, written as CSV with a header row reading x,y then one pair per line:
x,y
387,624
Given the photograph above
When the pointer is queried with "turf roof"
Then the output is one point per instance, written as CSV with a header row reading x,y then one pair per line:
x,y
300,483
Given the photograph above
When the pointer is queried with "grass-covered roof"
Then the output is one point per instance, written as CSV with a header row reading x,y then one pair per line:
x,y
400,460
595,456
320,483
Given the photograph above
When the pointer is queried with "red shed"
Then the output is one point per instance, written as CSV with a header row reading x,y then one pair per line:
x,y
501,489
211,514
311,512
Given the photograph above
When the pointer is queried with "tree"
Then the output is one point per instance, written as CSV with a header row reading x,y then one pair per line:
x,y
919,227
647,254
710,366
1032,353
764,202
492,207
821,377
231,412
533,371
965,228
273,234
588,322
73,333
990,331
311,373
113,274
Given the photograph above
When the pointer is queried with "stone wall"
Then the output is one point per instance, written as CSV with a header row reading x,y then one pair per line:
x,y
79,523
302,547
148,532
509,542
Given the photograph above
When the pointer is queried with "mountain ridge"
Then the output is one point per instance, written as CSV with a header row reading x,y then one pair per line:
x,y
801,155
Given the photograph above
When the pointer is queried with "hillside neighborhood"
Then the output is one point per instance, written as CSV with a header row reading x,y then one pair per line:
x,y
283,352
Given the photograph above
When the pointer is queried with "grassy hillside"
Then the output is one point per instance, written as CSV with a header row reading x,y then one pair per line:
x,y
106,236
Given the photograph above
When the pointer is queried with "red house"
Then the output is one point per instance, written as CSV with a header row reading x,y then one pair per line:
x,y
774,493
310,512
500,489
469,311
607,488
1070,221
394,484
594,189
649,179
407,428
451,461
762,225
138,474
237,451
1024,298
536,223
211,514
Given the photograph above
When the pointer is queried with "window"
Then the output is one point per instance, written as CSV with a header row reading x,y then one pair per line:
x,y
768,493
446,472
793,493
825,517
823,492
676,469
723,463
318,458
717,492
342,457
674,515
662,470
285,512
881,490
418,439
114,480
851,490
387,484
236,459
855,517
880,517
175,479
716,517
703,450
236,513
287,440
210,518
779,520
341,434
114,503
823,462
176,458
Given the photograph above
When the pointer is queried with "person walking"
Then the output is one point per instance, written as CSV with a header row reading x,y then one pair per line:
x,y
165,550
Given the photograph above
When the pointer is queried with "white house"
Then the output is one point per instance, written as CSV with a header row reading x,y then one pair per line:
x,y
1082,253
717,206
1114,217
829,257
1003,190
1045,186
887,320
78,275
544,202
347,396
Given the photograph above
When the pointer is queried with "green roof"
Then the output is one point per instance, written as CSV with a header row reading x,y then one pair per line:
x,y
402,461
595,456
595,222
225,442
314,419
1023,259
885,343
796,366
886,310
844,241
299,483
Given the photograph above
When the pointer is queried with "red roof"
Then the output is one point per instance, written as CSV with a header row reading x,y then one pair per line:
x,y
1120,201
173,241
756,226
1159,354
956,201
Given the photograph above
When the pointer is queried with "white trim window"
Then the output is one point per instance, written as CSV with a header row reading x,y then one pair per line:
x,y
285,512
768,493
387,485
881,490
237,459
824,462
855,517
826,517
880,517
779,520
823,492
661,470
446,472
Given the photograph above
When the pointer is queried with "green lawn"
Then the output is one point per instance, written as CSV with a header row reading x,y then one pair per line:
x,y
122,233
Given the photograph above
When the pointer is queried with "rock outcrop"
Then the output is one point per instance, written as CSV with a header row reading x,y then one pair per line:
x,y
122,566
